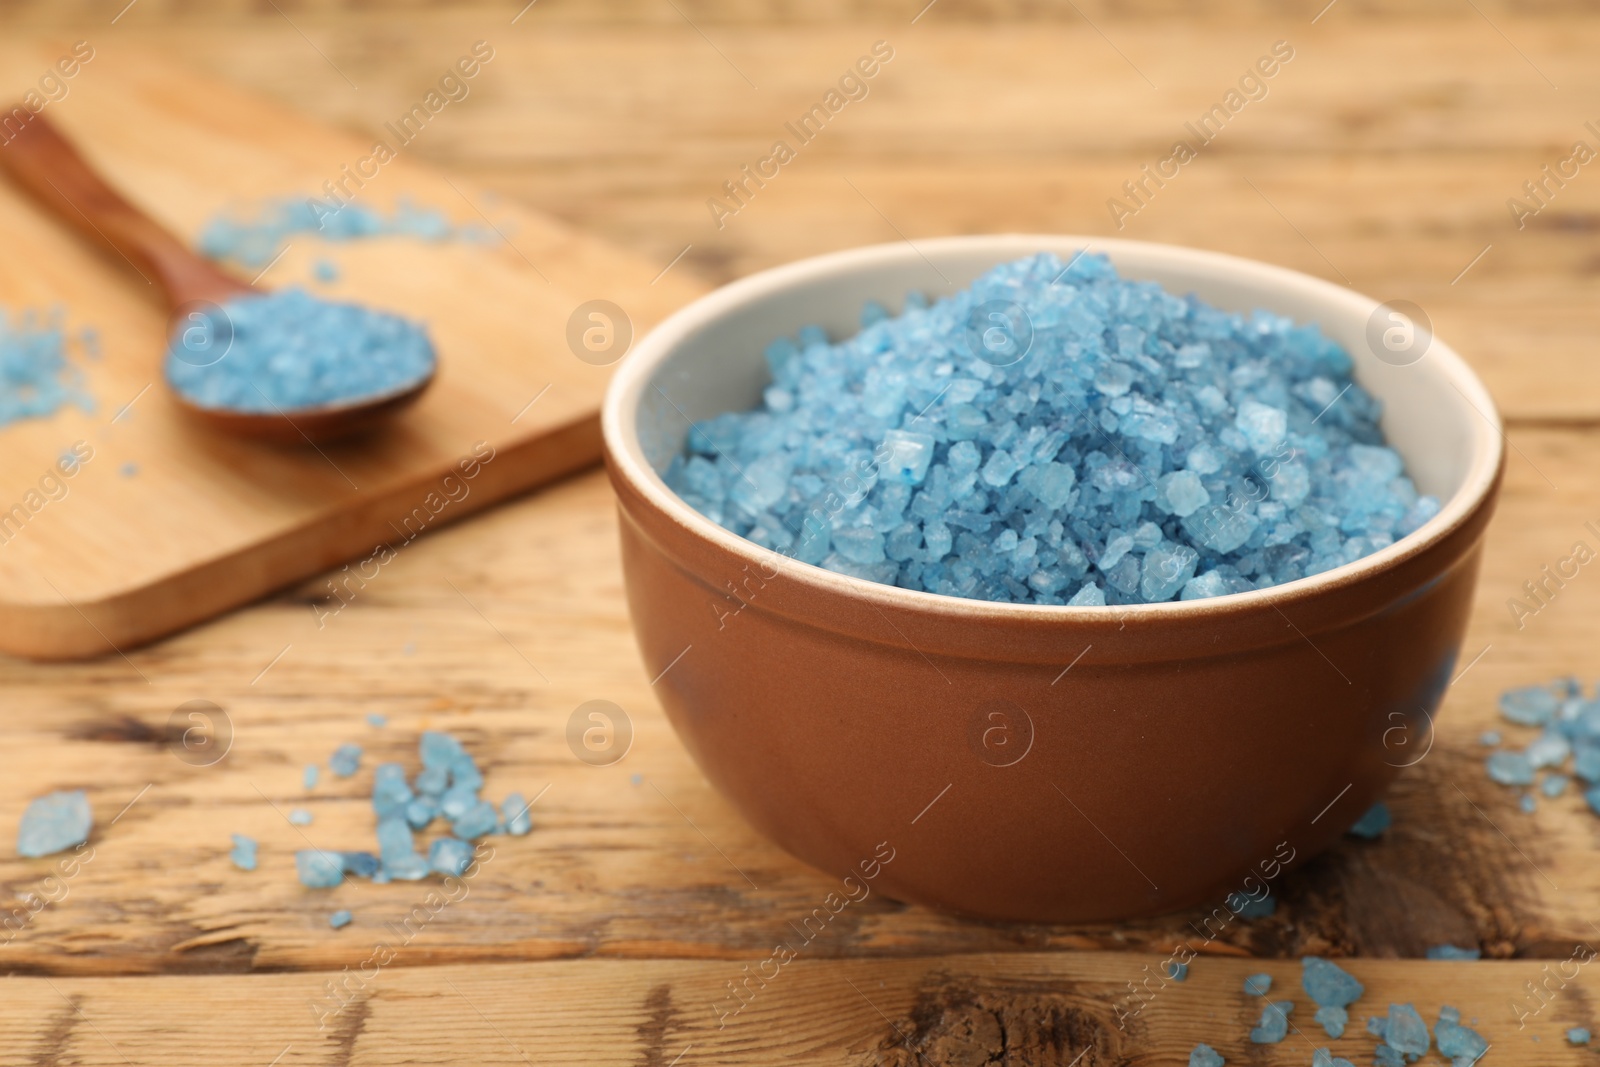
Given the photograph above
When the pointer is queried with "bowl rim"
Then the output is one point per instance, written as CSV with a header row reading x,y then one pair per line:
x,y
626,458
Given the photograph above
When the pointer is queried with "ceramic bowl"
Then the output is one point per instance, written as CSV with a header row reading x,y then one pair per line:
x,y
1035,762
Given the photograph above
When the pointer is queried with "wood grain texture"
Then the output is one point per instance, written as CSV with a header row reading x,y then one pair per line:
x,y
1384,154
1022,1009
499,630
108,561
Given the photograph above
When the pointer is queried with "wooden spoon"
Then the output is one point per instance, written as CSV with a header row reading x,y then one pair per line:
x,y
44,162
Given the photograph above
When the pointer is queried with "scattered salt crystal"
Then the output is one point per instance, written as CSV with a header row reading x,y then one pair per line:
x,y
1578,1035
309,778
1258,985
1205,1056
1329,984
1274,1025
300,817
450,855
244,852
317,869
1459,1043
1373,822
1510,768
345,761
340,919
1532,705
53,823
1451,952
514,813
1178,972
1553,785
476,821
1406,1032
1333,1019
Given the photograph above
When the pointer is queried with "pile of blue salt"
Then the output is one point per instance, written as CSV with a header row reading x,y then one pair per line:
x,y
283,351
1056,435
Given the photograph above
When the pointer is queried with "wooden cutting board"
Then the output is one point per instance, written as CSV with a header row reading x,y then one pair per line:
x,y
161,523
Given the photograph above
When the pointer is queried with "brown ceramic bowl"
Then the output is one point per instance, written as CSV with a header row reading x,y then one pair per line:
x,y
1033,762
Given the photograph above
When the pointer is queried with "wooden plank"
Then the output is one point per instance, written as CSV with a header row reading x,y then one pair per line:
x,y
1390,143
209,522
500,630
1021,1009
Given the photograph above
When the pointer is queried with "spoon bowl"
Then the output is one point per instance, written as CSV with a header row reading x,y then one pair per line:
x,y
46,164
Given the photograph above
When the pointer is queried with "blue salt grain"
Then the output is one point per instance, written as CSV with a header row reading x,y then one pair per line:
x,y
1328,984
476,821
1406,1032
1274,1025
340,919
345,761
1248,908
1204,1055
1460,1044
377,721
450,856
439,750
515,815
53,823
325,270
1553,785
1451,952
1387,1056
1323,1057
1178,972
318,869
901,456
1377,1026
1258,985
289,350
1373,823
244,852
309,778
1333,1019
1531,705
1549,749
1578,1035
1527,803
1489,738
300,817
360,864
457,801
390,793
1510,768
421,811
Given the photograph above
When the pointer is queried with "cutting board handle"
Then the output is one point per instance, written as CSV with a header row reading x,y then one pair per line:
x,y
47,165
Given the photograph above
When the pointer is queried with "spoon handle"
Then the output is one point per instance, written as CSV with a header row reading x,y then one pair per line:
x,y
46,164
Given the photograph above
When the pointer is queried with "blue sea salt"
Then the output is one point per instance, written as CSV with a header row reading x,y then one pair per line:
x,y
476,821
390,793
1459,1043
1527,803
1549,749
1323,1057
1532,705
289,350
1451,952
1373,823
1578,1035
37,374
1406,1032
1510,768
317,869
1553,785
1274,1025
300,817
340,919
345,761
1258,985
1204,1055
243,854
1178,972
1387,1056
53,823
1146,448
360,864
254,237
514,814
1327,983
1333,1019
450,855
309,778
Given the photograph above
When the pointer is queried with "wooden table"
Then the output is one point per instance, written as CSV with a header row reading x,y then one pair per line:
x,y
1382,155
